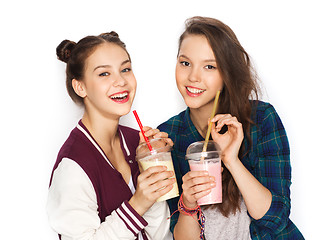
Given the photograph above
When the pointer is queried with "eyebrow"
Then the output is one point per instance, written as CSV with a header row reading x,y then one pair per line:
x,y
206,60
109,66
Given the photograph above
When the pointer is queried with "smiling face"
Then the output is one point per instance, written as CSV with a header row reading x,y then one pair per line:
x,y
109,85
197,76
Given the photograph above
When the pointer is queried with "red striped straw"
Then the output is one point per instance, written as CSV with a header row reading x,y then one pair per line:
x,y
141,127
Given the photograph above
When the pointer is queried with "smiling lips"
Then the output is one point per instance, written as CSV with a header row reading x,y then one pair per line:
x,y
120,97
193,91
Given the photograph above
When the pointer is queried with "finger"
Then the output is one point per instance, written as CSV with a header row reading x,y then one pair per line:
x,y
159,177
160,187
169,141
198,190
160,135
151,132
163,183
202,182
161,191
201,194
199,183
230,122
193,174
151,170
222,120
146,128
220,116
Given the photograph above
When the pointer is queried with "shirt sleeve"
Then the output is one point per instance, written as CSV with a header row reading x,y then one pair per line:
x,y
73,211
158,222
274,171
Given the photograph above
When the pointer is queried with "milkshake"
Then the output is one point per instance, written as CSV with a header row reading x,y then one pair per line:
x,y
159,156
213,166
207,161
161,159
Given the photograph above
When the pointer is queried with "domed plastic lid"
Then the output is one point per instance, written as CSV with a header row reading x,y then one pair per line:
x,y
158,145
194,151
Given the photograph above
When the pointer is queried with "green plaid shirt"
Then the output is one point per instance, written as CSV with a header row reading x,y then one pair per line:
x,y
268,160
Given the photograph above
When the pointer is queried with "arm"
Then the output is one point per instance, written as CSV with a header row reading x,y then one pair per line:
x,y
271,180
73,210
158,215
257,197
196,184
274,171
158,222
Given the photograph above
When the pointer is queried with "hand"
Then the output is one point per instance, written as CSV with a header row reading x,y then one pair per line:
x,y
151,184
155,133
196,184
229,142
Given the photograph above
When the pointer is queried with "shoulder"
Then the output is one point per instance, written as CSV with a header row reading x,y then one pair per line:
x,y
78,148
173,124
264,113
261,109
74,146
268,124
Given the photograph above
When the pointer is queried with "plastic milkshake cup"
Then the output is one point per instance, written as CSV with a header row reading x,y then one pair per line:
x,y
209,161
159,156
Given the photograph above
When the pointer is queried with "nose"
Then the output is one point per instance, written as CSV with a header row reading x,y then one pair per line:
x,y
119,81
194,75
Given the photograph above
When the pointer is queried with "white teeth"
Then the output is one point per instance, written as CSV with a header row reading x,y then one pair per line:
x,y
194,90
121,95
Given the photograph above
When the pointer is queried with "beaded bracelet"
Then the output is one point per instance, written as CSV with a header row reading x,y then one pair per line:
x,y
192,212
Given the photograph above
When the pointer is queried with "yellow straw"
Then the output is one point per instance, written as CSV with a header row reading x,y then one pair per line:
x,y
210,123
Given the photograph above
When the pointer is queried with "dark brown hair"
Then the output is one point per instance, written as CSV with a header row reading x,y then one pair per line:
x,y
239,86
75,55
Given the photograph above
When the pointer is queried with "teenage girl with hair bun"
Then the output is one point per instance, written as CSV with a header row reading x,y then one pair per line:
x,y
96,190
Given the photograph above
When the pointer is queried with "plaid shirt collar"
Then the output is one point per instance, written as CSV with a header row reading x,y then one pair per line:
x,y
191,130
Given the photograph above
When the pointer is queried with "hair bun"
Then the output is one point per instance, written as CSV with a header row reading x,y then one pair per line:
x,y
64,49
110,35
114,34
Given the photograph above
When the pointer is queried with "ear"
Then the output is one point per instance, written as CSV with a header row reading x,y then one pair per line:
x,y
79,87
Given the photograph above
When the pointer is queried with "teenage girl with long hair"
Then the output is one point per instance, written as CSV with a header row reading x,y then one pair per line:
x,y
255,154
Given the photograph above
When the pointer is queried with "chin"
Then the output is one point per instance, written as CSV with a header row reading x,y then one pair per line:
x,y
124,112
192,104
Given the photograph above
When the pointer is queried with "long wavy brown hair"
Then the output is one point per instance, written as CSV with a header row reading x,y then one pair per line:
x,y
240,86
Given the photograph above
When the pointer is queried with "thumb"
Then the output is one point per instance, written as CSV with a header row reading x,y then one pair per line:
x,y
214,134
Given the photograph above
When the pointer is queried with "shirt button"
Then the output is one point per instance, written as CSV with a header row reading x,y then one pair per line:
x,y
130,161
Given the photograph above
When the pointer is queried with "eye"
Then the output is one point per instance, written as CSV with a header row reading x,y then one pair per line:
x,y
184,63
126,70
210,67
104,74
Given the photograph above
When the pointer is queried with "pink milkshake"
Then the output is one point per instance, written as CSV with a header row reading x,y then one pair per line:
x,y
207,161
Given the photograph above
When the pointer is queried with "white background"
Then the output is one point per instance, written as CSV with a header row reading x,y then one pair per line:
x,y
290,42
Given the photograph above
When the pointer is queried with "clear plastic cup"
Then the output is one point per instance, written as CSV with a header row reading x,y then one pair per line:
x,y
160,156
209,161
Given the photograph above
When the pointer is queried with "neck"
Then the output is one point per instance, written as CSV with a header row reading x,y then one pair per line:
x,y
103,130
200,116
